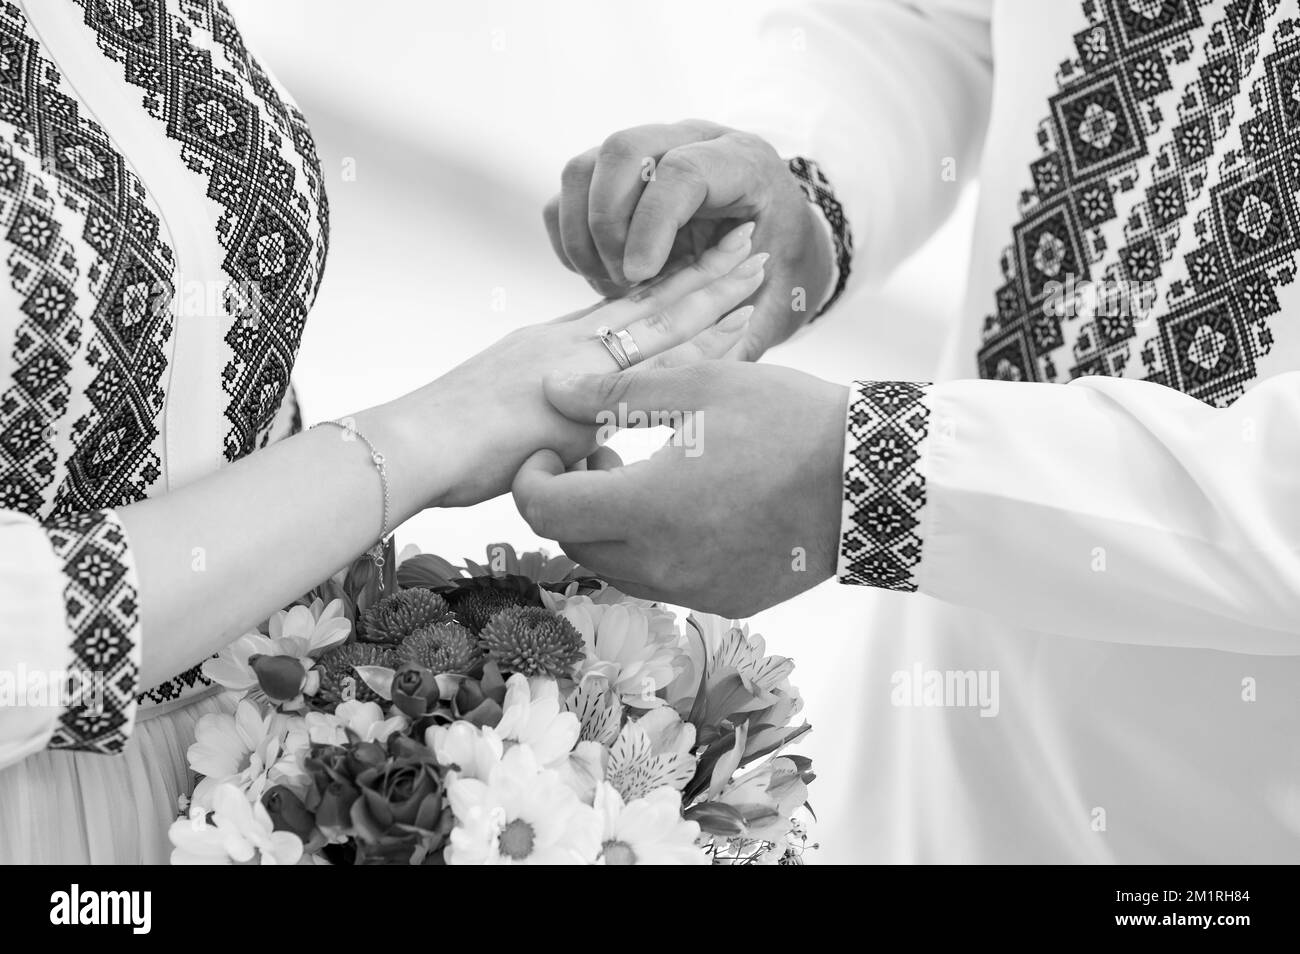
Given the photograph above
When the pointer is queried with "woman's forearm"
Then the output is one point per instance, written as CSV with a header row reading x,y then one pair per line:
x,y
220,555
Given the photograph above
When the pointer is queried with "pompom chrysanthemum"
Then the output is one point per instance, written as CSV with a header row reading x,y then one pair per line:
x,y
399,615
337,667
532,641
475,605
442,647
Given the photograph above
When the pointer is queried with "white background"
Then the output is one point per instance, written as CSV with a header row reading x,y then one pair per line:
x,y
457,118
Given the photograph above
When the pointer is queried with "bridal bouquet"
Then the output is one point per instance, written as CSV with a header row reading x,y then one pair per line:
x,y
521,711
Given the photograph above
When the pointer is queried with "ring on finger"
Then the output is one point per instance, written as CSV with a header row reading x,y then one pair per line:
x,y
615,349
629,346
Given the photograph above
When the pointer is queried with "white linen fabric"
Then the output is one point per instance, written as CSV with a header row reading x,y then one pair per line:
x,y
164,229
1096,501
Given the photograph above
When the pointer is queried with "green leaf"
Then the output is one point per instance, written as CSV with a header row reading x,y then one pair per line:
x,y
717,818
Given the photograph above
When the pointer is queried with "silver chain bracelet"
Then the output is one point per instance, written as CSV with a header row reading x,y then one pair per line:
x,y
381,465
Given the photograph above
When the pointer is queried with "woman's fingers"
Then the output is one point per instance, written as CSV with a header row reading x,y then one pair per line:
x,y
712,266
696,312
716,342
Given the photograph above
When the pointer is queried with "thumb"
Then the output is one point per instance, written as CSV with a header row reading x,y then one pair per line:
x,y
587,398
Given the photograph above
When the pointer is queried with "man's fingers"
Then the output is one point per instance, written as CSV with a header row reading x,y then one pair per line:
x,y
575,236
715,272
577,506
625,163
604,458
616,563
699,177
551,217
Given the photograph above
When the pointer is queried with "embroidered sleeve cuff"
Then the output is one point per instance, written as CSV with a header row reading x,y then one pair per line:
x,y
884,487
817,188
101,599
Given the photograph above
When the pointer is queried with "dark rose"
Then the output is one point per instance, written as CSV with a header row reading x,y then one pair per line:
x,y
399,817
415,690
326,763
281,677
363,756
478,701
287,812
335,809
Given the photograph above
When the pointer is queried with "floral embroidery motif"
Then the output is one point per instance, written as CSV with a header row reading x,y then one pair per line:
x,y
1163,213
260,163
101,598
817,188
72,162
884,489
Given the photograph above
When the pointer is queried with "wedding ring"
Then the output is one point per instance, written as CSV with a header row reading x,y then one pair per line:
x,y
629,346
615,350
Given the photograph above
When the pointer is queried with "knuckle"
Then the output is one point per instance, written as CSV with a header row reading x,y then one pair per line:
x,y
577,171
682,164
659,322
620,147
537,516
751,142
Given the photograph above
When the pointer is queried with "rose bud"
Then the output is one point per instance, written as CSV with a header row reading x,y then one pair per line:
x,y
287,812
281,677
336,805
415,690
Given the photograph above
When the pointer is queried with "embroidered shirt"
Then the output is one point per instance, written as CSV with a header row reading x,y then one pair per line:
x,y
164,228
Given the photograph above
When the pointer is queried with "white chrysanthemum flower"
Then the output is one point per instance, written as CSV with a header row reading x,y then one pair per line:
x,y
249,750
365,719
635,646
534,715
303,632
646,831
523,814
470,749
239,832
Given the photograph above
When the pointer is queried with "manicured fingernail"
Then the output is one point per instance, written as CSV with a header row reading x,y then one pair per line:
x,y
751,266
737,319
735,240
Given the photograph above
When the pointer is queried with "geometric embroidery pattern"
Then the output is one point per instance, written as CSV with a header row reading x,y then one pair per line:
x,y
260,165
102,605
42,269
884,489
1162,211
73,216
817,189
56,154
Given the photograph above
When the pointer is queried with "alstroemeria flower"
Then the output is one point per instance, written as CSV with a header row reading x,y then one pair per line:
x,y
652,752
768,796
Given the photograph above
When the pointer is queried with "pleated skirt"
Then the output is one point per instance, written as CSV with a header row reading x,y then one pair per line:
x,y
65,807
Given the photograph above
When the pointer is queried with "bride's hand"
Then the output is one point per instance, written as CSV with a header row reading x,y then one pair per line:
x,y
489,414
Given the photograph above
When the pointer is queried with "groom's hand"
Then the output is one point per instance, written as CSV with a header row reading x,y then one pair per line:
x,y
653,196
738,512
